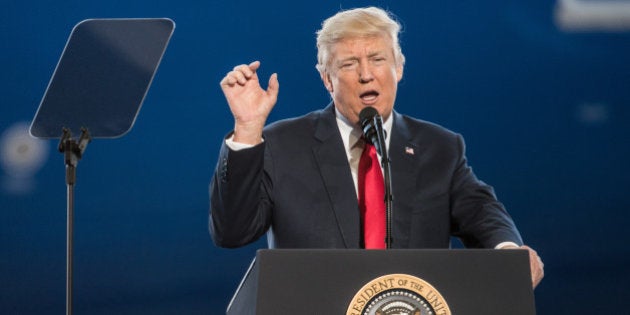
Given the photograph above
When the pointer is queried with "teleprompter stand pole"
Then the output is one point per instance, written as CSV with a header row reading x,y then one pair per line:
x,y
73,152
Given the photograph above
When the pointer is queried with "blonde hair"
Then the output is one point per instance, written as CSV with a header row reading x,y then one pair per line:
x,y
356,23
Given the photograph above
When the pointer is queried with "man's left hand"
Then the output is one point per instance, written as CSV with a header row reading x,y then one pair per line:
x,y
535,264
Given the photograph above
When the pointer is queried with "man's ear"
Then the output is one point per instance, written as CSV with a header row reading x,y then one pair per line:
x,y
399,72
327,82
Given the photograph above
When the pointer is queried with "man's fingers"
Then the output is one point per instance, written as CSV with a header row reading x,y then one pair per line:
x,y
274,86
247,70
234,77
254,65
536,266
240,74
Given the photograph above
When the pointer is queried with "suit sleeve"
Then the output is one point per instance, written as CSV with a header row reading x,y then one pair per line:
x,y
478,218
240,211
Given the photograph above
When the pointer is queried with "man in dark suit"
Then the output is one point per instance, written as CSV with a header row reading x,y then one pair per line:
x,y
297,179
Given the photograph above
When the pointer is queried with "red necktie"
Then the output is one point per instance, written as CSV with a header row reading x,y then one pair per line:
x,y
372,198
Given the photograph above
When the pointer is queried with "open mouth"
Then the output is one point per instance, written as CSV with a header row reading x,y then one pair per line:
x,y
369,97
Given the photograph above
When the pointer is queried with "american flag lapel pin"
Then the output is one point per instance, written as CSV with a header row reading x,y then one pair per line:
x,y
409,150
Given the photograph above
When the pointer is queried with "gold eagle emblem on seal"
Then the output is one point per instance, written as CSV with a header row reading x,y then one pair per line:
x,y
398,294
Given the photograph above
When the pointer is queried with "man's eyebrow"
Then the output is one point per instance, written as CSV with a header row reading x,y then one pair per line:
x,y
351,58
376,53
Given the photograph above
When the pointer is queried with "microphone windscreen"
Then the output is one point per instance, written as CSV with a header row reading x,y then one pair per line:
x,y
369,120
367,114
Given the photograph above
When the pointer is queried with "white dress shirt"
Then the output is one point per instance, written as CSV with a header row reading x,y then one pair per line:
x,y
351,137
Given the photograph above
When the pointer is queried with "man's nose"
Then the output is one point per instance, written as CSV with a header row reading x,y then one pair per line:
x,y
365,73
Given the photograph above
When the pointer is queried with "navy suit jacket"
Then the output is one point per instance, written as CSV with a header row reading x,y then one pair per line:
x,y
297,187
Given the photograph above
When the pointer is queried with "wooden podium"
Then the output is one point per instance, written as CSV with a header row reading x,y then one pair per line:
x,y
460,282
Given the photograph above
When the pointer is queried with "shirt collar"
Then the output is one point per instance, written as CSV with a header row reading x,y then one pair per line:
x,y
350,133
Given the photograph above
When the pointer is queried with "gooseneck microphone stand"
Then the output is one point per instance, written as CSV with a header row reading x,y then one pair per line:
x,y
385,163
372,126
73,151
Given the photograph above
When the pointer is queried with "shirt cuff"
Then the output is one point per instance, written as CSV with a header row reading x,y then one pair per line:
x,y
237,146
505,244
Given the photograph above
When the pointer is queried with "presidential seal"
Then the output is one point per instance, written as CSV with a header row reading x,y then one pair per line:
x,y
398,294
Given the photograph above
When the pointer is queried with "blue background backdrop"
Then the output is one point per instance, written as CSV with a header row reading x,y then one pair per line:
x,y
544,112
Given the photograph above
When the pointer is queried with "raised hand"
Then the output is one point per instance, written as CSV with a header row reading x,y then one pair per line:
x,y
249,102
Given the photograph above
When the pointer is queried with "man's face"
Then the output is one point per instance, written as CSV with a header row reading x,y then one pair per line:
x,y
363,72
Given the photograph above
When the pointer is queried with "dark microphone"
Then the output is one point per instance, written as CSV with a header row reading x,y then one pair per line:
x,y
372,126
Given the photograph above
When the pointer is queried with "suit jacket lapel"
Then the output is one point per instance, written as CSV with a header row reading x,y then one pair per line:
x,y
401,148
335,171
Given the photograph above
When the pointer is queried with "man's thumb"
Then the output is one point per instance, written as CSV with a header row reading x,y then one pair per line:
x,y
274,86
